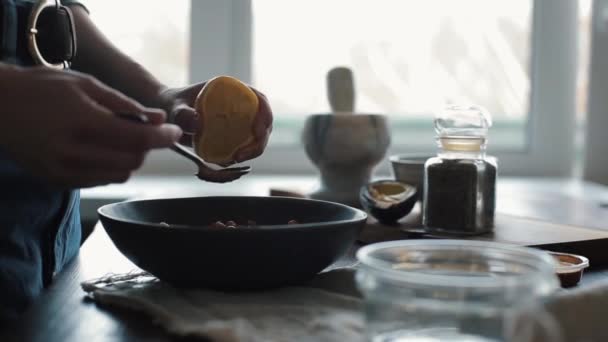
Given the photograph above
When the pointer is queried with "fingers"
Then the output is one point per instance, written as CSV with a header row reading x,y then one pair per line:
x,y
103,127
190,93
129,136
110,153
118,134
155,115
187,140
254,149
186,117
109,98
116,102
262,125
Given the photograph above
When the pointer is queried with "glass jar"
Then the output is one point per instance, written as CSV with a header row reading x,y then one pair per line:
x,y
454,290
460,182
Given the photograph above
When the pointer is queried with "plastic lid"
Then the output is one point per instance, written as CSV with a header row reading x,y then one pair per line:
x,y
458,263
462,127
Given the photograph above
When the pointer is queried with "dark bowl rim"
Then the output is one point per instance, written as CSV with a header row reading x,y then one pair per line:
x,y
359,216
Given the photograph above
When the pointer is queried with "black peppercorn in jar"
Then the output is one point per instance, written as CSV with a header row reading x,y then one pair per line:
x,y
460,183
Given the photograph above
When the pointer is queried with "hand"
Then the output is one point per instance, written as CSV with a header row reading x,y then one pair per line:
x,y
180,103
61,127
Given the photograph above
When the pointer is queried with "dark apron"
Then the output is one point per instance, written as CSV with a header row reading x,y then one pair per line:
x,y
39,225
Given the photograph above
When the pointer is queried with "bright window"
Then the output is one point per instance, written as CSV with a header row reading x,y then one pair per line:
x,y
522,59
155,33
408,58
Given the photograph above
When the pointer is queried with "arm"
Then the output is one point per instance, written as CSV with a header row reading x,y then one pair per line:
x,y
60,127
99,57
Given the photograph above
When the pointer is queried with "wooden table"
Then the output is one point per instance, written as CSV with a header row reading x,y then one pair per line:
x,y
63,314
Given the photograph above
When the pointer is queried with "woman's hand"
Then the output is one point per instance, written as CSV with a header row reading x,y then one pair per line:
x,y
61,127
180,106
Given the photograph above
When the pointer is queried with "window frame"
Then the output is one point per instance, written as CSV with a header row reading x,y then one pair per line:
x,y
225,28
596,158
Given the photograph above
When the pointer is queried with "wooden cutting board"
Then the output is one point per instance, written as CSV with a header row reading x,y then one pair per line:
x,y
510,229
544,220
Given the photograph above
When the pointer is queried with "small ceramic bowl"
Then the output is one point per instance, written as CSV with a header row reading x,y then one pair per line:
x,y
569,268
409,169
388,200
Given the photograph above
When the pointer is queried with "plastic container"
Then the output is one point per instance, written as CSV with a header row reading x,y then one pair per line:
x,y
451,290
569,268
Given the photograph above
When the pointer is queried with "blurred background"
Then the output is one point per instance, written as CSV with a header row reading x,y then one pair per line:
x,y
526,61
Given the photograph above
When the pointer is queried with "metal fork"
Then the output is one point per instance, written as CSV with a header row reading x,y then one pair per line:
x,y
206,172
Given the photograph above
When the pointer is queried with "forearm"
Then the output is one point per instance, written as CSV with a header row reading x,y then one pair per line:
x,y
97,56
